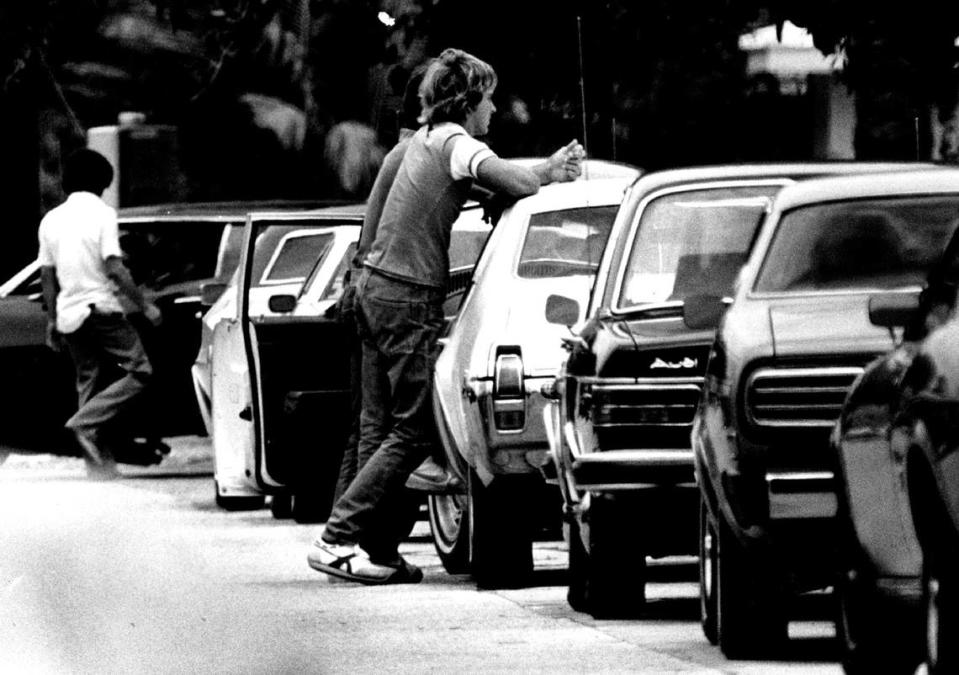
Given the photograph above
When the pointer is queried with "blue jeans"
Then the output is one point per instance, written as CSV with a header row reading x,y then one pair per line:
x,y
399,325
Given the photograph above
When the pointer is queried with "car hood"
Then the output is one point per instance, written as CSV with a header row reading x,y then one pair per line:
x,y
825,325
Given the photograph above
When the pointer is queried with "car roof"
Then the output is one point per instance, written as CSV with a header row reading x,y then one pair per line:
x,y
351,211
794,170
223,210
900,183
592,168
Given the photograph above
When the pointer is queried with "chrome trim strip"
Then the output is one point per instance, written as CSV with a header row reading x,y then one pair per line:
x,y
596,380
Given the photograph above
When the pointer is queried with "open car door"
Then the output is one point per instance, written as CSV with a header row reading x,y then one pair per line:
x,y
291,389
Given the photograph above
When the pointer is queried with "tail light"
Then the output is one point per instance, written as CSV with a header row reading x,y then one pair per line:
x,y
509,393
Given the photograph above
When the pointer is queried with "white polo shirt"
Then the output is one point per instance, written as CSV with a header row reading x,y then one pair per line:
x,y
76,238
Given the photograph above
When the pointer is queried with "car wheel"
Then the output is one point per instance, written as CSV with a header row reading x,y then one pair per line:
x,y
281,505
244,503
310,506
708,564
874,635
578,591
749,618
501,542
449,525
607,565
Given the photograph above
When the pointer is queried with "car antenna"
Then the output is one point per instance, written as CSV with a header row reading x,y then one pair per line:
x,y
582,92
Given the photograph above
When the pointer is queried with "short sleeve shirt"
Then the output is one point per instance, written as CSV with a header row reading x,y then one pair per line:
x,y
431,185
75,239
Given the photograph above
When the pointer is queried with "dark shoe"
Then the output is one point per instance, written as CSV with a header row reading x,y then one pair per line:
x,y
406,573
433,478
138,451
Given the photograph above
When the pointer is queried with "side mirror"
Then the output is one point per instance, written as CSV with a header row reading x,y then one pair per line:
x,y
282,304
703,311
893,310
562,310
210,292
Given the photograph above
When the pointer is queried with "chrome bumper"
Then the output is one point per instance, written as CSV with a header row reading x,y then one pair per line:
x,y
801,495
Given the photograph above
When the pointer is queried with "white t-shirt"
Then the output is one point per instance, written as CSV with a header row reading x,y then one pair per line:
x,y
76,238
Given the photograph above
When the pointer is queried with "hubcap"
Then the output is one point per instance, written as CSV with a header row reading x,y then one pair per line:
x,y
449,516
708,562
932,619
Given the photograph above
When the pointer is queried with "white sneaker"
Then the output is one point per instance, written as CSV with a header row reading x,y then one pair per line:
x,y
347,562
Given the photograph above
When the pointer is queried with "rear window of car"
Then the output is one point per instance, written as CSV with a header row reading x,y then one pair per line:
x,y
878,244
692,242
565,243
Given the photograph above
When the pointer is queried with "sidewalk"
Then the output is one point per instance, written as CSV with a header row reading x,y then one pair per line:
x,y
189,456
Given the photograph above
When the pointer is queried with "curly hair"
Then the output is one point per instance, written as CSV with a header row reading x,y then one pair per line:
x,y
454,84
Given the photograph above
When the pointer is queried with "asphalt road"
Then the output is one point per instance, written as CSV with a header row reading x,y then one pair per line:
x,y
146,575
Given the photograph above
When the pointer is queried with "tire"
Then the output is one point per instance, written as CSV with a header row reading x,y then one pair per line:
x,y
501,542
449,525
708,581
245,503
281,505
875,635
578,592
310,507
607,569
749,619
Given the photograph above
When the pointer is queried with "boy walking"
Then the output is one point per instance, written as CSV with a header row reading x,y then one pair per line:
x,y
82,270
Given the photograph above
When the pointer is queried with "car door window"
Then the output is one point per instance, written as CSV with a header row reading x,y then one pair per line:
x,y
335,287
295,257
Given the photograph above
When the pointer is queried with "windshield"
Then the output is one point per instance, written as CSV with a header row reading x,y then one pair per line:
x,y
565,243
693,243
865,244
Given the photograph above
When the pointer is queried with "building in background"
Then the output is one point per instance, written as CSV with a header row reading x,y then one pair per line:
x,y
802,102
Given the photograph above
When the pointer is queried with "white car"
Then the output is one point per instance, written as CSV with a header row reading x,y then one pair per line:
x,y
497,355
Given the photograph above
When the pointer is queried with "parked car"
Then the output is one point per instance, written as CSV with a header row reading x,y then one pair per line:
x,y
625,397
880,574
497,354
788,349
272,375
172,250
